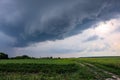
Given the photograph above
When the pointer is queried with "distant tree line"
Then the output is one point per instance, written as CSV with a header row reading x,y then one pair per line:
x,y
5,56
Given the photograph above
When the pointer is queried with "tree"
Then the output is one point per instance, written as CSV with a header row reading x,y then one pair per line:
x,y
3,55
22,57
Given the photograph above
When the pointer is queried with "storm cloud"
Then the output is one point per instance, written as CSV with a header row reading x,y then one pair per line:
x,y
31,21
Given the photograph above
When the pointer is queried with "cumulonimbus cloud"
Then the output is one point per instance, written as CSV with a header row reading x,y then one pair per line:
x,y
30,21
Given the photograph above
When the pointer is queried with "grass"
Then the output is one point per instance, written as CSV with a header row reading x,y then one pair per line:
x,y
59,69
38,65
37,61
111,64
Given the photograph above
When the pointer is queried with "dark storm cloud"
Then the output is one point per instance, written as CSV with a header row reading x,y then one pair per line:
x,y
30,21
6,43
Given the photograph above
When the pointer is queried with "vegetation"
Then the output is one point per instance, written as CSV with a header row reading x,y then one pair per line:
x,y
3,55
49,68
21,57
38,65
111,64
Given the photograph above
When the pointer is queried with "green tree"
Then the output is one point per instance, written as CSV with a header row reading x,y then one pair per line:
x,y
22,57
3,55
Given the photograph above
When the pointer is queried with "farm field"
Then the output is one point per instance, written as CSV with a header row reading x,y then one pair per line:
x,y
61,69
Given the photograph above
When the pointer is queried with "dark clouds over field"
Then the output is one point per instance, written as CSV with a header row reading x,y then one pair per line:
x,y
25,22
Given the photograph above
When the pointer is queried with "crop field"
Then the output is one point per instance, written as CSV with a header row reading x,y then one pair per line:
x,y
61,69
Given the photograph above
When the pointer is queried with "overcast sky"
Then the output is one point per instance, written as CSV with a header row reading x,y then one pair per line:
x,y
60,28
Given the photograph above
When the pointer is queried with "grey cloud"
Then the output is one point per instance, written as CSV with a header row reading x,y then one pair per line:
x,y
92,38
30,21
5,43
5,40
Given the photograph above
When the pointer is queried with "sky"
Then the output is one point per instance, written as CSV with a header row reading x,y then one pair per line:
x,y
60,28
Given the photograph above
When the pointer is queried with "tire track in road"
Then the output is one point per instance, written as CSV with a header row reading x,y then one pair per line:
x,y
98,73
99,70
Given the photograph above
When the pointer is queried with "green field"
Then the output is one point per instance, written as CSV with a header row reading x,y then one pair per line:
x,y
60,69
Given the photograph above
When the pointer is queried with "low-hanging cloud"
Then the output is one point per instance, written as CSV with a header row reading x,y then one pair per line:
x,y
92,38
30,21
